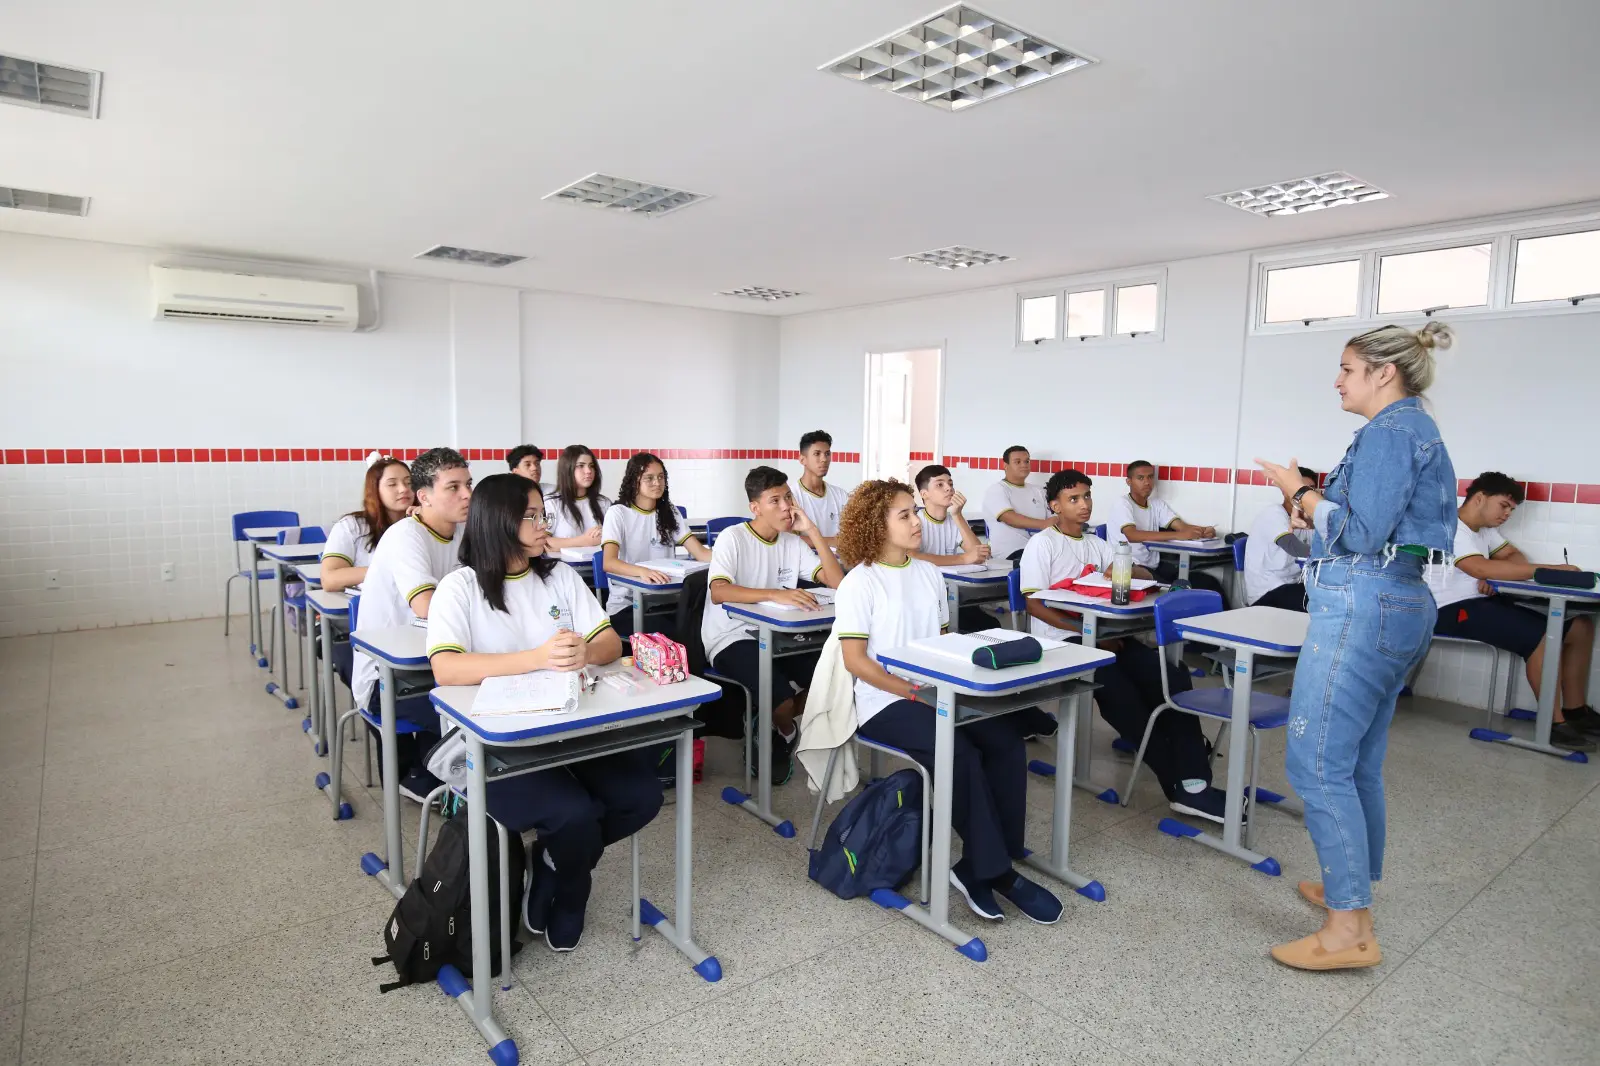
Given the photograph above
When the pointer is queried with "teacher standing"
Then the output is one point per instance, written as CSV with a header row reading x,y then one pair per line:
x,y
1387,507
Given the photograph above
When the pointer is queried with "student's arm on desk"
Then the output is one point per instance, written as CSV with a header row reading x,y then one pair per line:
x,y
1190,531
613,564
1507,564
1173,532
863,666
1050,615
697,551
1021,521
722,590
590,539
338,574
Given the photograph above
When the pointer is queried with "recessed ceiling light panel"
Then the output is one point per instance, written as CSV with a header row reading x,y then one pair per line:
x,y
46,85
956,257
956,58
52,203
1333,189
452,254
626,195
760,292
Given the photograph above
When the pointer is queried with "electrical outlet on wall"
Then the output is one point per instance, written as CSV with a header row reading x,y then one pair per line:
x,y
52,579
166,572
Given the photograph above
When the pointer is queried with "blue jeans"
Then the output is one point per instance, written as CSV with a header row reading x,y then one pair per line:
x,y
1370,624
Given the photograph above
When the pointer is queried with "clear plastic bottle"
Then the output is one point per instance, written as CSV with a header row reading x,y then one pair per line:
x,y
1121,575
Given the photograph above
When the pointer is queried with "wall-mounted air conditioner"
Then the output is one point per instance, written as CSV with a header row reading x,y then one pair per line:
x,y
218,296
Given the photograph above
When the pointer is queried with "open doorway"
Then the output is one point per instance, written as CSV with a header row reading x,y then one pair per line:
x,y
903,391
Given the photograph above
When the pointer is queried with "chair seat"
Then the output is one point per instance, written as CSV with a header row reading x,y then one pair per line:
x,y
1266,711
402,726
264,575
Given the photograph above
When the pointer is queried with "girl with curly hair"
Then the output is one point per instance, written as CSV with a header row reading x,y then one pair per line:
x,y
642,525
888,600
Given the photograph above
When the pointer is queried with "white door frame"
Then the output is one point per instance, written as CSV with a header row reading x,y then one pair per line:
x,y
866,396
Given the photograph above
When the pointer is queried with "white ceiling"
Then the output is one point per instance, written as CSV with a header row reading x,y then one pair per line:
x,y
362,132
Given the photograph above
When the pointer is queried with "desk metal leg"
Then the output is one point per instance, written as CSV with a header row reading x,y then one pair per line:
x,y
1083,750
1183,566
761,806
313,723
952,595
680,932
1549,679
1238,755
257,638
1061,823
638,611
390,869
332,741
937,914
281,692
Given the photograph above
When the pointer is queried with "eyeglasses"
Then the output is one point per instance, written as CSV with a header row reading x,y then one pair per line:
x,y
539,521
653,479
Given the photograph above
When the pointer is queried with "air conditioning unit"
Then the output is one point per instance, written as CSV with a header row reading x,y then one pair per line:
x,y
218,296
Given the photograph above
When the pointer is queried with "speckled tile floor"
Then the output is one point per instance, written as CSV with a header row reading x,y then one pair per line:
x,y
175,892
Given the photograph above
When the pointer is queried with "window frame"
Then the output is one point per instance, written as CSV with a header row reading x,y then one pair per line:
x,y
1023,296
1109,284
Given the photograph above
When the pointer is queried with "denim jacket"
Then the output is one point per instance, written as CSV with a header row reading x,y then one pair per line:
x,y
1395,485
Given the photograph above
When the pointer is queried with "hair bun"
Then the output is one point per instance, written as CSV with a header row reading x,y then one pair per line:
x,y
1436,336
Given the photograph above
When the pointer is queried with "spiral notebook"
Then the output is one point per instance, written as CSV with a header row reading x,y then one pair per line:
x,y
538,693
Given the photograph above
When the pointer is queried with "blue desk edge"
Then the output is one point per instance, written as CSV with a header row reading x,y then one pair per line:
x,y
1069,671
566,727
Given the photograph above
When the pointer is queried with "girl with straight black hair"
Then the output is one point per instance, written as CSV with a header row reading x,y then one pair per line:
x,y
577,509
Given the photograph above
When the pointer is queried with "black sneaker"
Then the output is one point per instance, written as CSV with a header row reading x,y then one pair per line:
x,y
1210,803
564,929
1566,735
980,897
782,758
417,784
1037,724
537,893
1584,720
1035,901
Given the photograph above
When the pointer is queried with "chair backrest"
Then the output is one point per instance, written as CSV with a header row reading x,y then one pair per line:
x,y
302,535
715,526
1099,530
260,520
683,512
601,581
1175,606
1238,552
1014,592
355,608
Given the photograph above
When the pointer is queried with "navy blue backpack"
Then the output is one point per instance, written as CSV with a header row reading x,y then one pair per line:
x,y
876,841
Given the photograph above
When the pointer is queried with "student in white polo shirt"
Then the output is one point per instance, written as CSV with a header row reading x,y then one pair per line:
x,y
1467,609
1272,556
1016,509
947,539
510,610
577,508
405,569
888,600
1140,517
821,501
528,460
642,525
385,499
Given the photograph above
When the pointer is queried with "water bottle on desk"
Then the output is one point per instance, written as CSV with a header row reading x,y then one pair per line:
x,y
1121,575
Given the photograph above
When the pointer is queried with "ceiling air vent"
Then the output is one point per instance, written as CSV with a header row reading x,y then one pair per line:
x,y
955,257
626,195
1333,189
52,203
31,83
452,254
760,292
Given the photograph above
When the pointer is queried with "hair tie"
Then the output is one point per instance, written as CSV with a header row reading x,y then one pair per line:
x,y
374,457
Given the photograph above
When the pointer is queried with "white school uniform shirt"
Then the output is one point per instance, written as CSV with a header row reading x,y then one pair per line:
x,y
409,559
637,538
742,557
1450,583
1027,500
823,510
347,540
461,619
561,523
1266,565
1052,556
941,537
889,606
1154,518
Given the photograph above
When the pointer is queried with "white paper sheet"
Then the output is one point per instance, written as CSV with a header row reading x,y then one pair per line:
x,y
542,692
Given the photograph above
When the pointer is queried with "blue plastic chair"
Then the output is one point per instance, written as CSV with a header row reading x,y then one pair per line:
x,y
250,520
683,512
1266,711
1099,530
402,726
302,535
1015,600
715,526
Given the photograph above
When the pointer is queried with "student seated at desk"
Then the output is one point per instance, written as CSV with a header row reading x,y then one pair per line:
x,y
1140,517
1273,576
1467,608
765,559
1016,509
576,508
640,526
385,499
887,601
528,460
1130,688
510,610
412,557
822,502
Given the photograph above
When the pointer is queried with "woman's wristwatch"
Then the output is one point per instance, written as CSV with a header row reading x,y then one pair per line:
x,y
1295,499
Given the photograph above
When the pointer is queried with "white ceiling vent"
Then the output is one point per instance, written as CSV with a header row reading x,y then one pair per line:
x,y
53,203
46,85
956,58
1333,189
218,296
955,257
452,254
626,195
760,292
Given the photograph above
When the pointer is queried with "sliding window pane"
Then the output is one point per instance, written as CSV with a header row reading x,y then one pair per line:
x,y
1444,277
1086,313
1557,268
1327,290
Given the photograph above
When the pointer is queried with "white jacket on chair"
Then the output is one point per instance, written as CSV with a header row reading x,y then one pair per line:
x,y
828,723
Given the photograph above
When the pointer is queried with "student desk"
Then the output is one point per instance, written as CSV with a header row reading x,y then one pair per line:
x,y
311,574
1102,619
284,557
324,610
1248,631
607,722
779,632
966,692
644,592
396,648
979,586
1557,599
1187,551
258,536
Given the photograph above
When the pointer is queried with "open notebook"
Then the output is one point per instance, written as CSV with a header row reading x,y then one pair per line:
x,y
823,596
962,645
542,692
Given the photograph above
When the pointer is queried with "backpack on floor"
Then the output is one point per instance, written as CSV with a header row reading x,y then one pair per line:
x,y
876,841
431,925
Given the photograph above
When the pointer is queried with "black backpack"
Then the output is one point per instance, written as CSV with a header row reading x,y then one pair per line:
x,y
875,842
431,925
724,716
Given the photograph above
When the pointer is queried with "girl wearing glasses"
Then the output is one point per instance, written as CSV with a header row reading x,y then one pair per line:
x,y
576,508
510,610
642,525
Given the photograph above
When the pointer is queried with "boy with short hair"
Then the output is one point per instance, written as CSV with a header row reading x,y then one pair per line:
x,y
823,503
765,559
1015,508
1140,517
1272,556
1468,608
412,557
1130,688
947,539
528,460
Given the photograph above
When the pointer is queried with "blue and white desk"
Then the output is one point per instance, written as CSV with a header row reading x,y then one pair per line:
x,y
284,557
311,574
324,610
611,722
978,586
1214,550
1249,631
1559,601
968,691
779,632
643,593
401,649
258,536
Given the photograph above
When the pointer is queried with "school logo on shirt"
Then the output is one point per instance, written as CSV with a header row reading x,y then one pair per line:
x,y
785,574
555,612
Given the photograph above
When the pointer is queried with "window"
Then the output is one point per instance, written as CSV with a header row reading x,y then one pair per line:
x,y
1312,293
1434,280
1038,318
1136,308
1086,313
1559,267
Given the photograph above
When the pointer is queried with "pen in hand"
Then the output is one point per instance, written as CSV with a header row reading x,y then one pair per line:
x,y
1564,558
